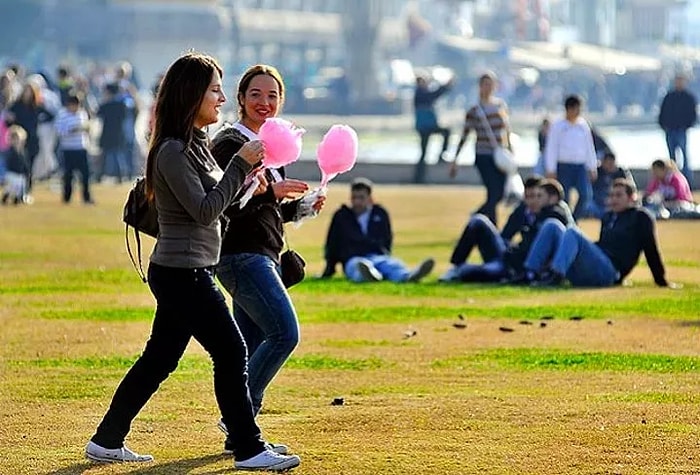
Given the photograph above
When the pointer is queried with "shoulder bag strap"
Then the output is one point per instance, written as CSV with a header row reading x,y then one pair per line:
x,y
487,126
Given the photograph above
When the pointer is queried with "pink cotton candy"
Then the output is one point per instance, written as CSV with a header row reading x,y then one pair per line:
x,y
282,142
337,152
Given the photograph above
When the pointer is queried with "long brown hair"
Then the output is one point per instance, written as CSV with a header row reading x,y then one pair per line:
x,y
179,98
248,76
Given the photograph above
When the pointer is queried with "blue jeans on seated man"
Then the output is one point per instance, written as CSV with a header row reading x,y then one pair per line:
x,y
264,314
572,255
391,268
570,176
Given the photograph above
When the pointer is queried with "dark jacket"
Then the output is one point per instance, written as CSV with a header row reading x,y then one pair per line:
x,y
16,162
623,237
520,219
113,115
423,103
345,238
678,111
258,227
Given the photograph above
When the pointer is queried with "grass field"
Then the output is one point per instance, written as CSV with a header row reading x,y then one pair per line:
x,y
615,392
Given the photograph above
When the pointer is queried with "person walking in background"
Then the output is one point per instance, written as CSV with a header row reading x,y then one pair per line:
x,y
360,238
678,113
607,173
190,193
488,117
249,267
427,121
570,155
113,113
73,126
130,96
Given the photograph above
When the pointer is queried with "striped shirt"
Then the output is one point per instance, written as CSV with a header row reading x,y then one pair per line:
x,y
496,113
66,124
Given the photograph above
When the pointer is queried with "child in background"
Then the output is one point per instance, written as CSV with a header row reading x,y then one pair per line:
x,y
72,126
17,166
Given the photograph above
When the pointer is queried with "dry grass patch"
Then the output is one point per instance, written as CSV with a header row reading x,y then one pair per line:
x,y
616,392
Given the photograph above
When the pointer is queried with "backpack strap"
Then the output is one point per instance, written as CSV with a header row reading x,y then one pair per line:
x,y
139,268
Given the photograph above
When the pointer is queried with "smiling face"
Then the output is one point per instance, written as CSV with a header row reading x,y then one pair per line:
x,y
260,101
212,101
619,200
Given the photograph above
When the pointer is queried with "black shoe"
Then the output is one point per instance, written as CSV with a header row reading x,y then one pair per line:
x,y
548,279
522,278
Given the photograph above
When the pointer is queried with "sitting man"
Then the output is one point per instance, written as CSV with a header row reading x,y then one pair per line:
x,y
626,230
608,172
501,257
360,239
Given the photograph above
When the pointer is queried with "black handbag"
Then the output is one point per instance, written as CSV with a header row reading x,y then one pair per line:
x,y
293,268
292,265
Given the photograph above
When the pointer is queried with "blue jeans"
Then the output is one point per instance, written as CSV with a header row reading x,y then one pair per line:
x,y
392,269
189,305
545,245
115,164
676,139
582,262
264,313
572,255
576,176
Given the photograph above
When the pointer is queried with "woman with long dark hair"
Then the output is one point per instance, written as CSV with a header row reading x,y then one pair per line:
x,y
190,192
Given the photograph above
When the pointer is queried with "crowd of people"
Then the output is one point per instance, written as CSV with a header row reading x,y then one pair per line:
x,y
208,231
55,125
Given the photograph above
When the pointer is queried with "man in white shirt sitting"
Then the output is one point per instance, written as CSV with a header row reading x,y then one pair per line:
x,y
570,155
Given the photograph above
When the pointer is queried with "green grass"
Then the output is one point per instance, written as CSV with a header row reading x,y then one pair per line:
x,y
573,397
530,359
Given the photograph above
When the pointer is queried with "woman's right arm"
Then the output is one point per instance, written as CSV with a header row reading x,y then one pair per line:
x,y
185,183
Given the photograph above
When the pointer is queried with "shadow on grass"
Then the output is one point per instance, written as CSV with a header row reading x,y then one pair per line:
x,y
177,467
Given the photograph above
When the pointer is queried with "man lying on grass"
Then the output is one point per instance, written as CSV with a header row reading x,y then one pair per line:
x,y
561,253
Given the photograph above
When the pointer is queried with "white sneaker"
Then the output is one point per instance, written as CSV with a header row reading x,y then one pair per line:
x,y
450,275
268,460
421,270
97,453
228,447
368,272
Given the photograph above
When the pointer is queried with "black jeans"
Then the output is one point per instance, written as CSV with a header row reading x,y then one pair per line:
x,y
494,180
419,176
480,232
75,160
189,304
